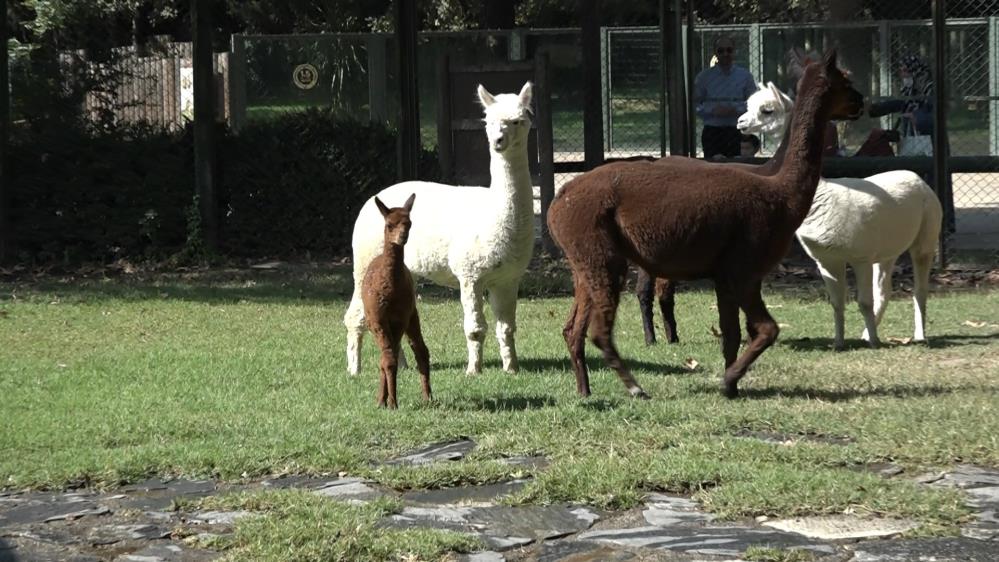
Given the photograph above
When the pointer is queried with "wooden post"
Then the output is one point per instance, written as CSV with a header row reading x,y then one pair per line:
x,y
444,140
546,146
6,232
204,121
593,130
409,124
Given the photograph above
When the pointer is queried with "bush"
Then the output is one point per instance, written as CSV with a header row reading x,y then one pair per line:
x,y
83,196
294,184
287,187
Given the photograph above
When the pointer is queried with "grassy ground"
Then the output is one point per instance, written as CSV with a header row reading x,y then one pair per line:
x,y
105,382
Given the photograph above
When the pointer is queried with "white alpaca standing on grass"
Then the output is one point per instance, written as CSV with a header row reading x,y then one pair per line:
x,y
475,239
866,223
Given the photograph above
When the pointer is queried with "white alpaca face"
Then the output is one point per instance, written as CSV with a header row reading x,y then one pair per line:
x,y
508,118
767,111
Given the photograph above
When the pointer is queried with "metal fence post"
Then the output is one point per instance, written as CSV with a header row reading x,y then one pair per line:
x,y
6,232
606,97
993,85
204,121
593,134
941,153
756,51
884,67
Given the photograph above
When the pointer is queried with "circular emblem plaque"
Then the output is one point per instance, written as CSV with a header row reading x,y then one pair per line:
x,y
305,76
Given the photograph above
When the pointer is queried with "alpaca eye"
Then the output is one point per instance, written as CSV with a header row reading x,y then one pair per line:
x,y
766,111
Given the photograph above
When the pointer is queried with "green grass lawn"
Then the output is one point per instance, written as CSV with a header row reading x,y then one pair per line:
x,y
106,382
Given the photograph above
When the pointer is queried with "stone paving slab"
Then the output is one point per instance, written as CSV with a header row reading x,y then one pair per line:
x,y
349,490
925,550
666,511
168,552
22,549
712,541
467,495
445,451
502,527
838,527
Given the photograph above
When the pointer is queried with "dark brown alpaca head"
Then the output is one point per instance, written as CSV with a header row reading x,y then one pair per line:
x,y
843,101
397,223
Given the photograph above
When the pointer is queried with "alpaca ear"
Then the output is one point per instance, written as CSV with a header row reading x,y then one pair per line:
x,y
381,207
485,97
781,98
525,94
408,205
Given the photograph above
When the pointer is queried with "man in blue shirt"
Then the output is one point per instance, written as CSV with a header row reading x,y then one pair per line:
x,y
720,93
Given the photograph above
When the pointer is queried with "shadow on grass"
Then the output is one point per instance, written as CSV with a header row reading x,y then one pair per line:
x,y
548,365
845,395
934,342
505,403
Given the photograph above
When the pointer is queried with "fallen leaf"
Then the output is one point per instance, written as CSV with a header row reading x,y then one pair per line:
x,y
974,323
782,325
691,363
902,341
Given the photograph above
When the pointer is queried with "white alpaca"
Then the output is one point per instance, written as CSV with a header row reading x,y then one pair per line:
x,y
866,223
476,239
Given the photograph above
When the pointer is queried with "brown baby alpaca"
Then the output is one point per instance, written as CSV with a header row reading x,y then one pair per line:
x,y
390,304
684,221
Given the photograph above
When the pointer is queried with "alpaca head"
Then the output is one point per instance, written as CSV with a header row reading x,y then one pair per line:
x,y
767,111
832,84
397,223
508,118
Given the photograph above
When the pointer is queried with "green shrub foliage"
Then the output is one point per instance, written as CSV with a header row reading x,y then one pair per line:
x,y
294,184
287,187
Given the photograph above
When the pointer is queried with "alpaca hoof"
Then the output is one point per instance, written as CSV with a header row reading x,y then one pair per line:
x,y
838,346
674,339
730,391
473,371
637,392
873,344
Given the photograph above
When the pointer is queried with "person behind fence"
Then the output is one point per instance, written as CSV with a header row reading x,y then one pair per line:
x,y
749,146
914,128
720,93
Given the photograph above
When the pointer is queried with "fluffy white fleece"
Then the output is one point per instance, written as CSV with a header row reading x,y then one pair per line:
x,y
476,239
864,222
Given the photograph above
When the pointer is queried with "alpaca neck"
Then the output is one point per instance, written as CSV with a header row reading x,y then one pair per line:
x,y
510,176
394,254
802,166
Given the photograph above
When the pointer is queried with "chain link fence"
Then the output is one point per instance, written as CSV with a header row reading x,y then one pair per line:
x,y
264,77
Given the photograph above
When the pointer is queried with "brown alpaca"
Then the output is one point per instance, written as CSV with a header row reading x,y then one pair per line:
x,y
662,290
390,304
685,221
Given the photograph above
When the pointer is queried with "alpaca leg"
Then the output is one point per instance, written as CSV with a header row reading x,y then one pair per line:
x,y
422,354
882,287
921,266
354,321
728,321
503,301
644,290
605,294
390,366
666,293
383,342
575,337
865,301
766,331
475,324
834,276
